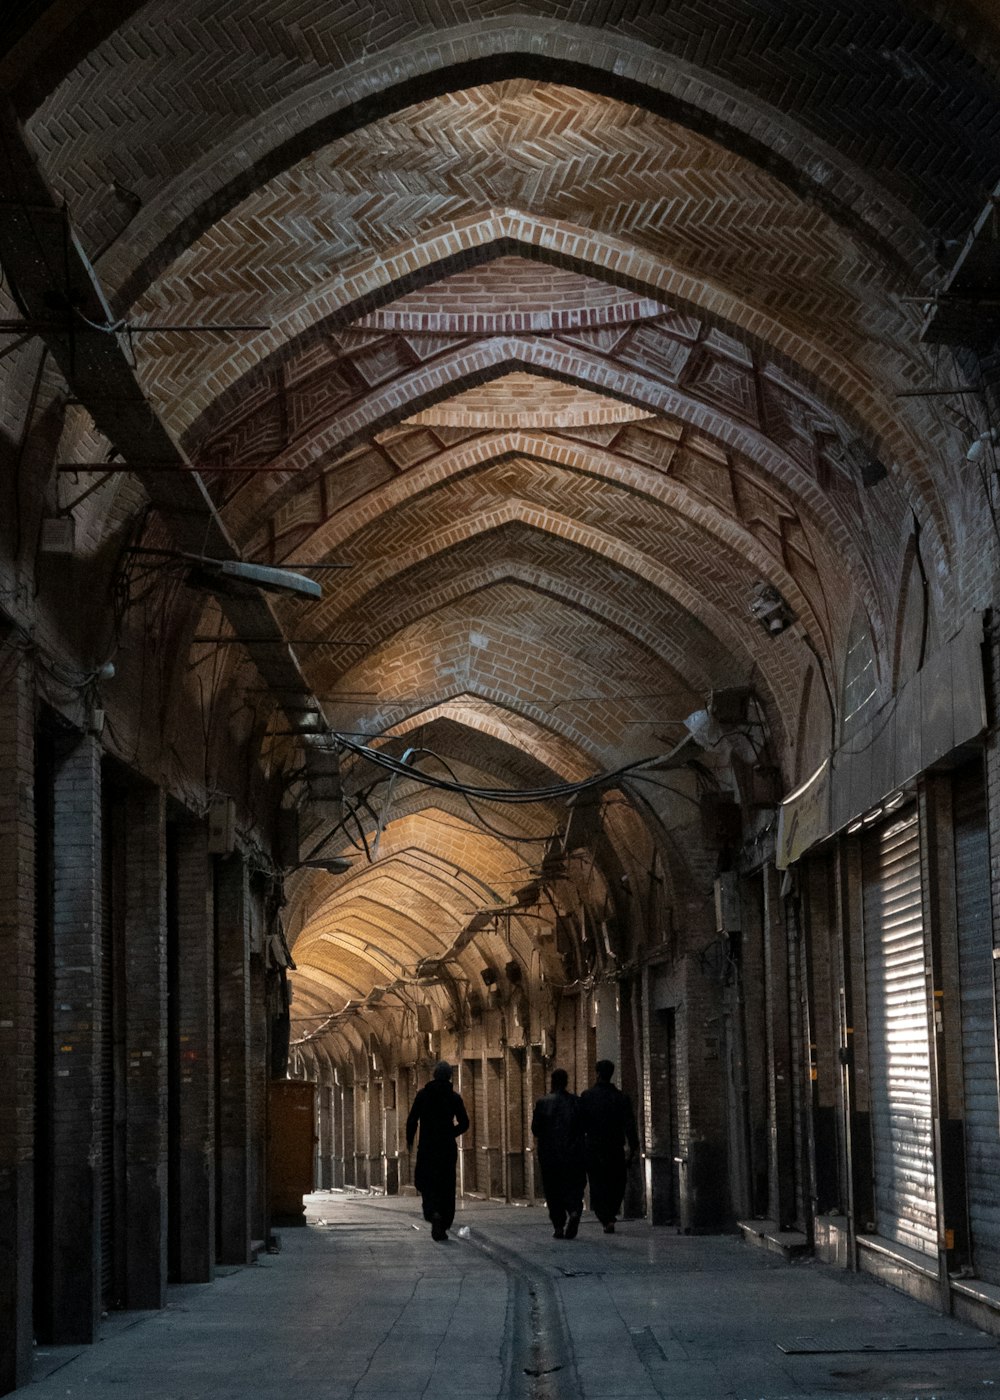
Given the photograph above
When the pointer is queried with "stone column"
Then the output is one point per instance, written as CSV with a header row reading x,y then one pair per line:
x,y
77,1090
232,1061
17,1014
146,1049
196,1057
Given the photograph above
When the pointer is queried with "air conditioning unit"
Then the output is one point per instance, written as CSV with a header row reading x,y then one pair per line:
x,y
287,837
221,826
58,535
325,795
727,903
731,705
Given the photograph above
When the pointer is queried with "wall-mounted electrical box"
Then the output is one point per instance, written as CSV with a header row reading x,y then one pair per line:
x,y
221,826
727,903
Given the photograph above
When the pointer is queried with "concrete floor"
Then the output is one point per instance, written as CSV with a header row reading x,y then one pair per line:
x,y
363,1303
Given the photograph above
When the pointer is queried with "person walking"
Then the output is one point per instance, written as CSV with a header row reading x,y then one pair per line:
x,y
439,1113
557,1125
611,1143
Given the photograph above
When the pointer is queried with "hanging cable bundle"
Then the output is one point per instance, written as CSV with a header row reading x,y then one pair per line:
x,y
400,768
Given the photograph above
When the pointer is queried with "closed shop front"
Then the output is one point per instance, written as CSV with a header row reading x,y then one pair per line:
x,y
978,1003
899,1061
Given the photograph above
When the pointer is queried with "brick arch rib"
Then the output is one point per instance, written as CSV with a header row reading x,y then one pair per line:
x,y
491,69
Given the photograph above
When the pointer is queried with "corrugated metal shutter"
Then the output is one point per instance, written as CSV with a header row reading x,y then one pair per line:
x,y
898,1037
468,1143
107,1066
979,1034
481,1127
801,1068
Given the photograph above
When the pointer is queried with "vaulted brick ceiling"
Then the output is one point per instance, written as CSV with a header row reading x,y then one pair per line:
x,y
577,330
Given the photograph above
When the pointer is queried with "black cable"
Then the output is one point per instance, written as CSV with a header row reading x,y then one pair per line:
x,y
504,835
514,795
29,419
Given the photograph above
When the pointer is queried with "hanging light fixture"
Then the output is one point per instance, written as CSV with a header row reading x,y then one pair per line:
x,y
237,577
333,865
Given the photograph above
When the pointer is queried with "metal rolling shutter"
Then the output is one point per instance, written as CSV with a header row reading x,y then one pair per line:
x,y
107,1069
898,1040
979,1033
467,1144
481,1127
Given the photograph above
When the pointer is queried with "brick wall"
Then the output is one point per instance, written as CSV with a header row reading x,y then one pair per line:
x,y
78,1094
233,1067
146,1050
196,1055
17,1007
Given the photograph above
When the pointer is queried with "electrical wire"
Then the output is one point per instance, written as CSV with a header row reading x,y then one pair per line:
x,y
512,795
464,793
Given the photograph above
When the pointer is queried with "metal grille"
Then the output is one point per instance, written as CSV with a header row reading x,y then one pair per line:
x,y
979,1036
898,1048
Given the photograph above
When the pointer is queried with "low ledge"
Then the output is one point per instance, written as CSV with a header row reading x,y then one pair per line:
x,y
924,1264
980,1292
767,1234
832,1240
976,1302
905,1269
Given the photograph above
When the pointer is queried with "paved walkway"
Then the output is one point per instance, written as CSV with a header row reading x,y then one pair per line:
x,y
363,1304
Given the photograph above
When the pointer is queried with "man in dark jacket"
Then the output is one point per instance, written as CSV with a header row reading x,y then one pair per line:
x,y
612,1142
440,1114
556,1124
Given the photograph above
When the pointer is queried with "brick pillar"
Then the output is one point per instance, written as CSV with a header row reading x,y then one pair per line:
x,y
781,1175
232,955
145,1050
17,1010
325,1178
77,1091
534,1087
655,1110
259,1079
347,1118
390,1102
338,1132
196,1055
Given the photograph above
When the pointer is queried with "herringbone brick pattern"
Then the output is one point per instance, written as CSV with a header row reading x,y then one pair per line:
x,y
582,323
372,205
519,400
169,87
409,905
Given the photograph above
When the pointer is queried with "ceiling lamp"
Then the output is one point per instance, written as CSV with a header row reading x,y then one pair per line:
x,y
770,609
237,578
333,865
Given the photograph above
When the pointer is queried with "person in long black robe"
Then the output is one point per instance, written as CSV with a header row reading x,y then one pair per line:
x,y
612,1142
557,1124
440,1114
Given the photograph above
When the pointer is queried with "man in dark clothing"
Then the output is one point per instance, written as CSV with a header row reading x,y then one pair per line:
x,y
612,1142
440,1114
557,1126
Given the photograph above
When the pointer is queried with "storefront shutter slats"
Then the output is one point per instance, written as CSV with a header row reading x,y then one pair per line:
x,y
898,1039
979,1040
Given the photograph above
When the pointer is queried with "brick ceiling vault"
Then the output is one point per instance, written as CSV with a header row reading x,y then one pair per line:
x,y
578,332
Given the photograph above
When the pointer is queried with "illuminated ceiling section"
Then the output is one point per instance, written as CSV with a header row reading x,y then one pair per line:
x,y
562,384
555,468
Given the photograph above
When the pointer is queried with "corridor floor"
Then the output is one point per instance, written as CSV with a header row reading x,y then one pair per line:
x,y
363,1304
